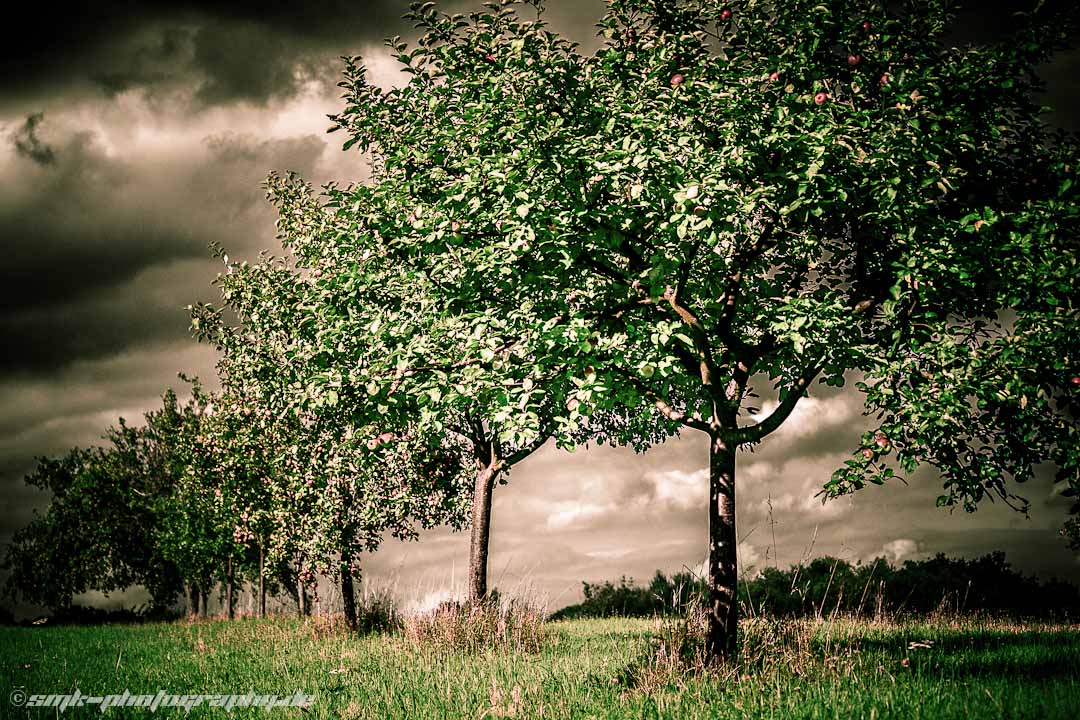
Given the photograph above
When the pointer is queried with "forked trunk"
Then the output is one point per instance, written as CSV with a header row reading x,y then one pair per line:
x,y
723,617
481,532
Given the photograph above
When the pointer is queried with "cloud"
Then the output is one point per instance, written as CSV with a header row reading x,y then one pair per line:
x,y
29,145
900,549
211,53
104,247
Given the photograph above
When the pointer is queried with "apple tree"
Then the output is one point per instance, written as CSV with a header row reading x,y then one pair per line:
x,y
389,338
750,196
344,476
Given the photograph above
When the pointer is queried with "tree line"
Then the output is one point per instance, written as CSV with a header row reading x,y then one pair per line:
x,y
828,586
687,230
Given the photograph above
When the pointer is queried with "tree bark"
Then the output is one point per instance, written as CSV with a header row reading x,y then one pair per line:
x,y
205,601
481,532
301,598
230,589
193,601
723,619
262,581
348,593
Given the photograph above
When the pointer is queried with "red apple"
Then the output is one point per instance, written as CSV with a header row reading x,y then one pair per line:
x,y
867,453
677,80
853,60
884,80
1075,380
725,14
866,26
455,226
881,441
774,76
820,98
490,58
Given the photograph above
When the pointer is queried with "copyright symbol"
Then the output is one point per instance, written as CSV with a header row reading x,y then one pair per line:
x,y
18,697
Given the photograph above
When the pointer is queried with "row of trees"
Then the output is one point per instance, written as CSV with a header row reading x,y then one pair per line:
x,y
723,200
202,497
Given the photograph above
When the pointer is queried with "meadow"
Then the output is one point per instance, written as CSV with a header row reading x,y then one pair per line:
x,y
589,668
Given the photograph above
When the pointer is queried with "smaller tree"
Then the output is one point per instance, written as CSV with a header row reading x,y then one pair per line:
x,y
343,478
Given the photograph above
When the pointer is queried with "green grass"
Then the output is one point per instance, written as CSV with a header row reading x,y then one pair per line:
x,y
847,669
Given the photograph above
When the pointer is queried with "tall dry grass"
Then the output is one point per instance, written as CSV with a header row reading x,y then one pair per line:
x,y
507,625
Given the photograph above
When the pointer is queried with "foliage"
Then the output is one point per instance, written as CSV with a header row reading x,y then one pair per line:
x,y
729,197
340,476
103,527
826,585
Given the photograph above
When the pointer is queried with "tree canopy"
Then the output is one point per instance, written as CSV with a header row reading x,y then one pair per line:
x,y
726,198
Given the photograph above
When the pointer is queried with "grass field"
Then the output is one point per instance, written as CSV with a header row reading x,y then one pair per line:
x,y
586,668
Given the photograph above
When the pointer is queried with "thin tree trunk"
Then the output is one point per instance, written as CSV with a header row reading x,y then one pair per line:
x,y
205,598
723,619
193,601
348,592
481,532
230,589
301,598
262,581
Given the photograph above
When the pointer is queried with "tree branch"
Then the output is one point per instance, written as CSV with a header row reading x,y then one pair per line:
x,y
755,433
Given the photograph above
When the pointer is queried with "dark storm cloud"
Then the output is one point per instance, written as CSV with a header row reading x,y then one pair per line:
x,y
82,229
228,51
29,145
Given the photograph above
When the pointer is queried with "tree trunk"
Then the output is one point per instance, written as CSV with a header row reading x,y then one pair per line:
x,y
205,601
262,582
230,589
481,532
723,619
348,593
301,598
193,601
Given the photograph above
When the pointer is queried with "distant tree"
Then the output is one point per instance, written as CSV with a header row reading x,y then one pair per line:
x,y
102,528
726,196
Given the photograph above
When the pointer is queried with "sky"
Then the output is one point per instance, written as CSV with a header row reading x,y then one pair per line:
x,y
133,134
